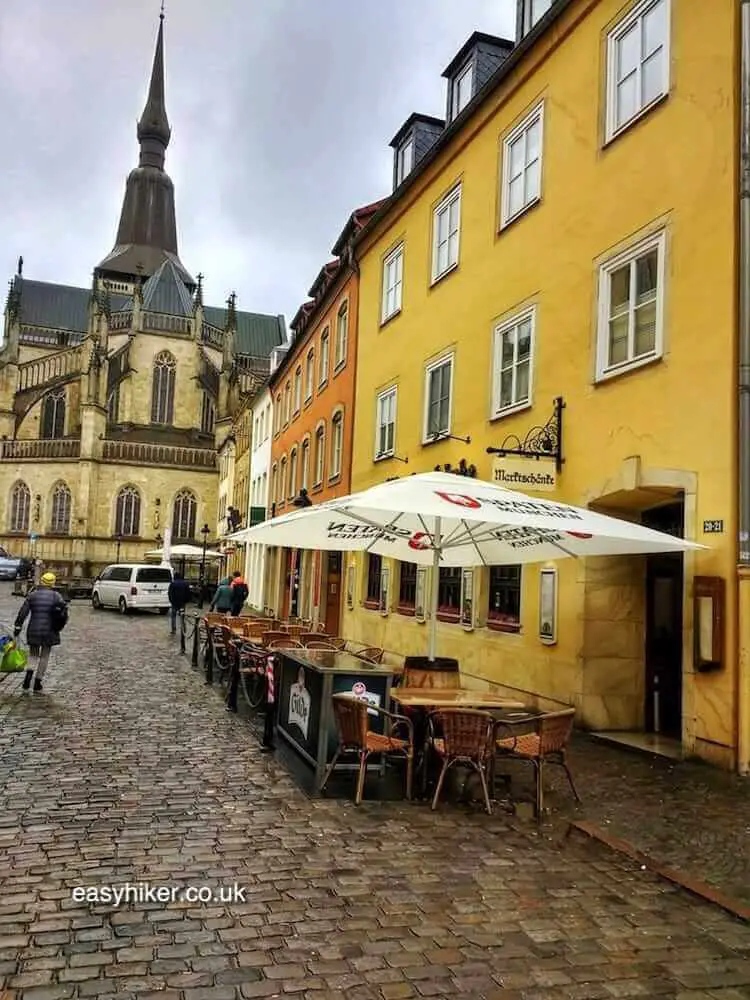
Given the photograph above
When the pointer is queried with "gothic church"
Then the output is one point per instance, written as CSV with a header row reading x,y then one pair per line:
x,y
112,397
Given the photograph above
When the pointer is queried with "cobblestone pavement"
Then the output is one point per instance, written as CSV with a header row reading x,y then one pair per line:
x,y
127,770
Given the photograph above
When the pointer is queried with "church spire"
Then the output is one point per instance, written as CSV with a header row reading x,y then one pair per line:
x,y
153,127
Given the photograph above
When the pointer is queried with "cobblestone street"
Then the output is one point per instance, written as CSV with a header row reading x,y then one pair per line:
x,y
128,770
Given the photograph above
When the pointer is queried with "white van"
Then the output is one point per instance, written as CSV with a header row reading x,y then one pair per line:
x,y
131,587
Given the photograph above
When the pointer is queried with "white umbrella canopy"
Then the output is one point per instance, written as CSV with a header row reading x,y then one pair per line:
x,y
190,553
440,519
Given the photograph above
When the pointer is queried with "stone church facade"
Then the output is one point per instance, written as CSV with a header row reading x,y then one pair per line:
x,y
114,398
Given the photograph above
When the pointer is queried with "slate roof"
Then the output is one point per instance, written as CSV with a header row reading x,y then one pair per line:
x,y
164,292
257,334
60,307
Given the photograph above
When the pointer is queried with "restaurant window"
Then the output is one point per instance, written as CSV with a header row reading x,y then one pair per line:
x,y
449,593
504,607
374,567
407,587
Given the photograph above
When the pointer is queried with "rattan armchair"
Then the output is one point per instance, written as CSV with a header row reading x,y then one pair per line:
x,y
545,744
355,736
288,643
373,654
319,644
462,736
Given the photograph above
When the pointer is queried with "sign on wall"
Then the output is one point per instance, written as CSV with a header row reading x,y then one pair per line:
x,y
529,475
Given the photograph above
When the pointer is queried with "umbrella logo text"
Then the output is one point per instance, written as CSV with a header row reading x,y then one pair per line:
x,y
459,499
420,541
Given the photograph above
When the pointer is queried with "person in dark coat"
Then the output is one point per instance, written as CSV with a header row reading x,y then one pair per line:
x,y
44,604
179,597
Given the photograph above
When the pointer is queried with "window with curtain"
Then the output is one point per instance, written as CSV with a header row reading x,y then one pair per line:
x,y
449,592
52,423
337,443
162,395
184,514
60,516
407,587
374,567
20,507
128,512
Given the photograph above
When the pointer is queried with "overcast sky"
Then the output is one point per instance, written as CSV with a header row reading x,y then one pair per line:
x,y
281,114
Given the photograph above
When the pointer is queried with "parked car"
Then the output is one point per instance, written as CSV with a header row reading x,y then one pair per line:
x,y
14,567
133,587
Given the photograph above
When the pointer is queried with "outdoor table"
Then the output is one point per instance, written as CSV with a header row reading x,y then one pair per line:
x,y
452,698
308,678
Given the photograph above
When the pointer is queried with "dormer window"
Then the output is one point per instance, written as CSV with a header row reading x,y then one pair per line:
x,y
404,159
533,11
462,90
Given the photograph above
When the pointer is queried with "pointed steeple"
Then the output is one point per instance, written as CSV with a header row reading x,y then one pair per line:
x,y
147,234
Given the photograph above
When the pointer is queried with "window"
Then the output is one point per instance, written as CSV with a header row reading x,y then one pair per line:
x,y
407,587
274,484
277,415
342,333
393,273
320,449
512,364
287,402
445,230
385,434
208,413
461,92
374,568
631,296
183,515
522,166
325,341
153,574
309,375
533,11
61,502
305,472
20,507
404,159
337,443
52,424
162,393
293,474
637,63
128,512
449,592
504,604
113,405
438,391
298,390
282,483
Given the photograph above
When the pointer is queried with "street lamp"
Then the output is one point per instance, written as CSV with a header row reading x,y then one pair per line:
x,y
118,539
205,531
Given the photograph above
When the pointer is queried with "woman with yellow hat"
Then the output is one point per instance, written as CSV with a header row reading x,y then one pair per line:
x,y
49,614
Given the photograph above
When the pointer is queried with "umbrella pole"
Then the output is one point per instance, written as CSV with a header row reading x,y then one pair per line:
x,y
434,587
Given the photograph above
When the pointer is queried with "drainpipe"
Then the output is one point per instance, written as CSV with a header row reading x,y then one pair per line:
x,y
744,375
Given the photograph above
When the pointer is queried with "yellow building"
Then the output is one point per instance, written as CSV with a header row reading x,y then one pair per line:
x,y
570,234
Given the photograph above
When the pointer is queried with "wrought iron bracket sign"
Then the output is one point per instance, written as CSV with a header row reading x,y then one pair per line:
x,y
462,469
540,442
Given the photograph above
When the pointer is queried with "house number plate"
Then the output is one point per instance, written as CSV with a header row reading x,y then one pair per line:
x,y
713,527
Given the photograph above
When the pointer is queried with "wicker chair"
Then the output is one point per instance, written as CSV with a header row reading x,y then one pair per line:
x,y
373,654
287,643
273,636
467,738
352,720
318,644
545,744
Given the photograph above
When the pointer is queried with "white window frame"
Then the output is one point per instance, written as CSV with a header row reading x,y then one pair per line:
x,y
391,391
340,362
404,164
305,447
337,456
510,324
518,133
318,480
605,371
392,260
429,369
309,374
635,16
528,13
454,195
297,405
466,70
325,354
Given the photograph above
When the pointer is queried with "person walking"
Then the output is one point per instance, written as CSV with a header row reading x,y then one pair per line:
x,y
239,594
49,615
179,597
222,599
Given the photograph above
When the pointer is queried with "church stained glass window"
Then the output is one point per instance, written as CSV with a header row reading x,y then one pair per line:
x,y
128,512
162,396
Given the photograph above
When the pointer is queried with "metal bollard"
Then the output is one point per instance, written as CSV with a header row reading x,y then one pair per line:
x,y
194,657
182,632
209,659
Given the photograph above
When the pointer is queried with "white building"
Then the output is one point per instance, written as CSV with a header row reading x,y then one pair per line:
x,y
260,466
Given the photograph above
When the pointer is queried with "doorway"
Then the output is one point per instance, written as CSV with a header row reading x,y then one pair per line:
x,y
333,592
664,639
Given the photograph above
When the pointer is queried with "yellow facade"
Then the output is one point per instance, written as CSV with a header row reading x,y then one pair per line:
x,y
656,433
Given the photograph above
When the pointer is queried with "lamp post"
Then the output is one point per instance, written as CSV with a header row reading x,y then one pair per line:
x,y
118,539
205,531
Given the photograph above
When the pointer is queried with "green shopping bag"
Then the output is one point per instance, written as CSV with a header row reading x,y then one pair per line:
x,y
14,660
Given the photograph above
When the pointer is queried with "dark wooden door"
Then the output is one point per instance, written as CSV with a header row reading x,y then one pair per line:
x,y
333,592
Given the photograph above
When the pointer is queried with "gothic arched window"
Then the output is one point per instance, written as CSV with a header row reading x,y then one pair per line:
x,y
183,516
162,393
61,503
20,506
128,512
52,424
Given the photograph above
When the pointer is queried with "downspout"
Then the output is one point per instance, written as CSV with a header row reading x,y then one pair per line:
x,y
744,384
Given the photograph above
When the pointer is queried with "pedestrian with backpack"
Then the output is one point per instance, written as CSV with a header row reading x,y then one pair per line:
x,y
239,594
49,616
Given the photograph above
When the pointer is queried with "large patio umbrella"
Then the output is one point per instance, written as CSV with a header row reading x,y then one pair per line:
x,y
440,519
188,553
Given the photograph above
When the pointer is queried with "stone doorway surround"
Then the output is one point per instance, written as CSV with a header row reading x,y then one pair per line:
x,y
614,599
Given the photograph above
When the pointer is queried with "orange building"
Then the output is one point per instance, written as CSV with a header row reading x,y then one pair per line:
x,y
313,394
